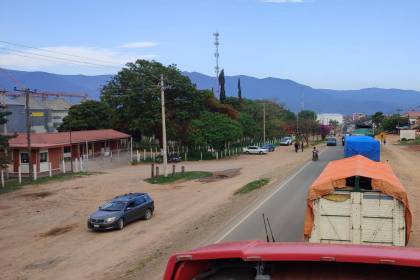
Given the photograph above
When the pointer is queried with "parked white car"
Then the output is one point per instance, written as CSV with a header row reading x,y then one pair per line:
x,y
286,141
255,150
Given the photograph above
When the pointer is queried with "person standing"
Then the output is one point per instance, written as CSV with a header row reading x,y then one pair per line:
x,y
301,146
296,146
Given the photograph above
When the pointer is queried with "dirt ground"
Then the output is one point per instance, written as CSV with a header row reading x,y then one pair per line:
x,y
405,161
43,232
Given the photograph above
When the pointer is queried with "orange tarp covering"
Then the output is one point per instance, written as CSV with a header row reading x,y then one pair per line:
x,y
334,177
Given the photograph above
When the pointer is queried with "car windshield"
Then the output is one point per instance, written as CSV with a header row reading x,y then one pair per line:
x,y
285,138
113,206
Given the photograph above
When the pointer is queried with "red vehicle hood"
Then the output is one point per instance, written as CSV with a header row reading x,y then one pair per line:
x,y
263,251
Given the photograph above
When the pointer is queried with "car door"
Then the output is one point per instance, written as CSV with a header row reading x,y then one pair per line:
x,y
142,206
131,211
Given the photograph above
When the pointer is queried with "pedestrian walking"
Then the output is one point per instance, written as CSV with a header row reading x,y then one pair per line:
x,y
301,146
296,146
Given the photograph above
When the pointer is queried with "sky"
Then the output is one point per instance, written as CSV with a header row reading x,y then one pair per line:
x,y
337,44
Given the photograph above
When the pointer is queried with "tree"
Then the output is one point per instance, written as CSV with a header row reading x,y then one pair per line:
x,y
324,130
378,119
249,127
4,140
239,90
135,98
87,115
222,97
214,130
307,124
307,115
392,123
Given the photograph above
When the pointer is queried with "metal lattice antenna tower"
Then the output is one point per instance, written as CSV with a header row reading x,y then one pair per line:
x,y
216,55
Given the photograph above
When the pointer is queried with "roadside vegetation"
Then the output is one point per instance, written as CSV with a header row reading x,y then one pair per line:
x,y
186,176
130,103
13,184
256,184
410,142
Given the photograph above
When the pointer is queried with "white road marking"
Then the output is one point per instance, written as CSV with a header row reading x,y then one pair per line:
x,y
266,199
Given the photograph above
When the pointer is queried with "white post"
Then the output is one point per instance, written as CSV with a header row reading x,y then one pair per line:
x,y
64,166
35,173
201,155
217,155
131,150
144,154
81,164
2,178
49,168
76,163
138,155
87,151
151,153
20,174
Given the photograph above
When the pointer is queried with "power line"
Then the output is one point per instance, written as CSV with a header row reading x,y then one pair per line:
x,y
53,51
54,58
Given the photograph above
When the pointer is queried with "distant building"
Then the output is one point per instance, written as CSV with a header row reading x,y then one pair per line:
x,y
413,118
325,119
46,115
358,116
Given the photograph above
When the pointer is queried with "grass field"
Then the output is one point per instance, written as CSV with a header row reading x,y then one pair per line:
x,y
253,186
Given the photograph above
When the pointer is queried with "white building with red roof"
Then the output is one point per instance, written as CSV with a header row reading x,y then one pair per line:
x,y
51,149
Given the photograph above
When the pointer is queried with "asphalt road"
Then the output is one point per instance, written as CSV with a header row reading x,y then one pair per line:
x,y
285,206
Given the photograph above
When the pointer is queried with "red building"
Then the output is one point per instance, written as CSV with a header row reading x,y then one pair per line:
x,y
53,148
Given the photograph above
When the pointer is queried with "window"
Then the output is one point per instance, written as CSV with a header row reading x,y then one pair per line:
x,y
67,149
24,158
43,157
131,204
139,200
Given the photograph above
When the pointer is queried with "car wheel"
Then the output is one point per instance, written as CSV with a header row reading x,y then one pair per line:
x,y
148,214
120,224
260,153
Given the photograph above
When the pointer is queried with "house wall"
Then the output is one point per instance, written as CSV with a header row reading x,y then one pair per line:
x,y
55,156
16,158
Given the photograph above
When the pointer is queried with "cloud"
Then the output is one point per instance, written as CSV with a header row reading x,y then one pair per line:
x,y
67,56
283,1
139,45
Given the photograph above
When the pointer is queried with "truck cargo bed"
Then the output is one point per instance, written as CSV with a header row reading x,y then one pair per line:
x,y
369,217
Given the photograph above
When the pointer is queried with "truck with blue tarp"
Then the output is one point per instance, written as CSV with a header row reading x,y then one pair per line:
x,y
362,145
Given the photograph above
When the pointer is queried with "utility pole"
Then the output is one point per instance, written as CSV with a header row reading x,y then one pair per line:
x,y
264,123
71,148
27,92
3,102
398,125
162,98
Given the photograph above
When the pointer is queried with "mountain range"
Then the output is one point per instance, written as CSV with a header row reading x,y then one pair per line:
x,y
292,94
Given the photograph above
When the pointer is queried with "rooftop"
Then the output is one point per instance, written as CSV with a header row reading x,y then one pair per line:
x,y
47,140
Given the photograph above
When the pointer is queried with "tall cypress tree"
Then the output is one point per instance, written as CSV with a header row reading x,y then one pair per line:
x,y
4,139
222,97
239,90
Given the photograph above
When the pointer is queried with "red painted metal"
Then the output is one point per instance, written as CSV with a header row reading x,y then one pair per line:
x,y
178,267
